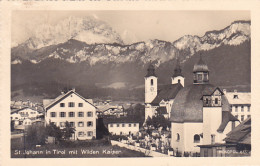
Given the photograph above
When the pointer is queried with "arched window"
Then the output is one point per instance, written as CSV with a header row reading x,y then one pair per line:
x,y
196,138
151,82
178,137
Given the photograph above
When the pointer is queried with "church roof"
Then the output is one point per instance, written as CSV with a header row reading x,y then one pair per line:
x,y
226,118
167,92
201,66
240,134
187,106
177,71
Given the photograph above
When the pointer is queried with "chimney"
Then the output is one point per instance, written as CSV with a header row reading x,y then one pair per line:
x,y
73,89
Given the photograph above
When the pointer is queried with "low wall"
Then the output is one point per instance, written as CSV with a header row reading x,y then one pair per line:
x,y
145,151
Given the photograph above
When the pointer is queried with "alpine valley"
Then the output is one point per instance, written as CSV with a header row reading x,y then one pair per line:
x,y
89,55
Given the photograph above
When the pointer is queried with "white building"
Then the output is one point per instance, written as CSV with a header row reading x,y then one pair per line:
x,y
122,126
25,113
240,103
78,111
200,113
161,96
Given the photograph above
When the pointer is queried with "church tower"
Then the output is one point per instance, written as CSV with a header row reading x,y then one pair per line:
x,y
200,72
177,76
150,84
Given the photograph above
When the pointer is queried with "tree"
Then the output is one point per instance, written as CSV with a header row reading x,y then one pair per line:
x,y
101,129
53,131
35,134
67,131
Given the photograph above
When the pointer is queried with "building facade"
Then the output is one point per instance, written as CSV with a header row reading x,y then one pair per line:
x,y
75,109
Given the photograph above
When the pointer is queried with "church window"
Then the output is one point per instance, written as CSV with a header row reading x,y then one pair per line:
x,y
216,100
196,138
199,77
212,139
205,78
242,117
151,82
178,137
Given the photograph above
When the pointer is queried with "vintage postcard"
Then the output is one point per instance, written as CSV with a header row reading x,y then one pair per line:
x,y
150,81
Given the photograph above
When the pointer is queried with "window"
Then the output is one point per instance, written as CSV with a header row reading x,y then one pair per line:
x,y
216,100
151,82
242,108
248,108
248,116
196,138
111,125
212,139
236,108
71,114
89,124
80,124
53,123
80,105
71,104
236,116
80,114
90,133
53,114
135,125
89,114
129,125
199,77
207,101
235,97
117,125
178,137
242,117
62,124
62,104
72,124
62,114
81,134
123,125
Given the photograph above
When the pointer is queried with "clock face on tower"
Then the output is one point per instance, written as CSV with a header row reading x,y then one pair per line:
x,y
151,88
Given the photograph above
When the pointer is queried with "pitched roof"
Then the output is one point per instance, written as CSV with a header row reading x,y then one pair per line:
x,y
226,118
240,134
167,92
63,96
18,110
241,98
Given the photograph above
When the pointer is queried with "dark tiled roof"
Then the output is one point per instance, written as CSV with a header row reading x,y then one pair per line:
x,y
150,71
161,110
187,106
241,134
167,92
226,117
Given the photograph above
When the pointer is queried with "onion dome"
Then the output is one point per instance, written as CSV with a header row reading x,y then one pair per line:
x,y
150,71
201,66
177,70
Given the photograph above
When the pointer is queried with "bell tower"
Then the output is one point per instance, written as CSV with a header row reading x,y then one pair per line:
x,y
200,72
177,76
150,84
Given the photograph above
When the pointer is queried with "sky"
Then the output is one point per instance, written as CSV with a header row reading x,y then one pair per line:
x,y
133,26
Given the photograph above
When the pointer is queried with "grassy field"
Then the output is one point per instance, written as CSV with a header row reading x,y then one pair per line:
x,y
56,151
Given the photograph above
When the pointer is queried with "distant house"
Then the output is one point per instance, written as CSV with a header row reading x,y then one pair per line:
x,y
237,143
78,111
122,126
240,103
24,113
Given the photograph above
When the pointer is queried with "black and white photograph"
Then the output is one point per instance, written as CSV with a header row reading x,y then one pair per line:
x,y
130,84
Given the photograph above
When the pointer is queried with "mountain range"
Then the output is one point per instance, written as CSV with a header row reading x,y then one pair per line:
x,y
91,56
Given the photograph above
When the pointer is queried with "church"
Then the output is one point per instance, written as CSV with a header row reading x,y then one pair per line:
x,y
199,113
159,99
